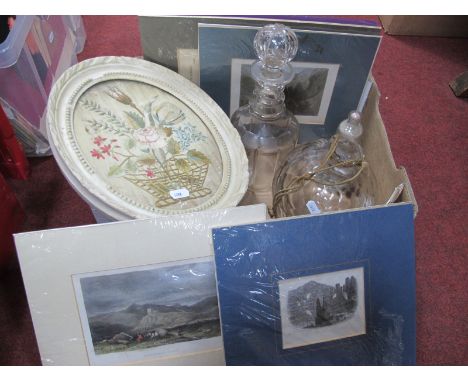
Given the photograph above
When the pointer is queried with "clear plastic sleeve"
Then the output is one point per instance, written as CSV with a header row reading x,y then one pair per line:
x,y
332,289
133,292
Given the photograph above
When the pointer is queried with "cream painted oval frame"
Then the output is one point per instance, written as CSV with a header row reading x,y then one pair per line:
x,y
79,78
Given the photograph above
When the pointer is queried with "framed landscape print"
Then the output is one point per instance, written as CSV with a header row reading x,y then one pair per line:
x,y
307,96
135,292
322,307
149,311
329,289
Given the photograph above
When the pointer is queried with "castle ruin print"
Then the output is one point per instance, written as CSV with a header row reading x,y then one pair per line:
x,y
322,307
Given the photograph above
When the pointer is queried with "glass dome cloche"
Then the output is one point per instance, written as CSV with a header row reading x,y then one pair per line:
x,y
325,175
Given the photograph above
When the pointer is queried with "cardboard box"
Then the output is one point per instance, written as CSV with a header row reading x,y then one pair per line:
x,y
437,26
379,155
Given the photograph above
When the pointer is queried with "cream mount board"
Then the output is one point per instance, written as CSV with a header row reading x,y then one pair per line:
x,y
100,280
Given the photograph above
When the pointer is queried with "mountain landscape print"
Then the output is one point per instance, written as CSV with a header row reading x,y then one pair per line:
x,y
322,307
314,304
308,95
129,310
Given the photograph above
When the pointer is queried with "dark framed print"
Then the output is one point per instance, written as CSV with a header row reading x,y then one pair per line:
x,y
331,67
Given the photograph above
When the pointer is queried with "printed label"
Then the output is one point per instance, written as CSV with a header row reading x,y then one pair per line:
x,y
312,207
178,194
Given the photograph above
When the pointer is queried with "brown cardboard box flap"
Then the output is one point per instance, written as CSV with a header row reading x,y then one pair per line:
x,y
379,155
431,25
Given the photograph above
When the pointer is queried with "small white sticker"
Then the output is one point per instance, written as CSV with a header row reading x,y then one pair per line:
x,y
178,194
312,207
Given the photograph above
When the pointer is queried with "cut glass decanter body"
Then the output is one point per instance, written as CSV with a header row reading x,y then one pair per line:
x,y
325,175
268,130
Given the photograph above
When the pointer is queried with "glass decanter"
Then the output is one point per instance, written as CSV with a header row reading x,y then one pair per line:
x,y
325,175
268,130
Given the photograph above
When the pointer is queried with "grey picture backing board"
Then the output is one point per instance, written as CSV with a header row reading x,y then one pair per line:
x,y
163,36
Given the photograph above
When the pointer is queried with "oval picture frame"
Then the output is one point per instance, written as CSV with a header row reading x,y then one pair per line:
x,y
138,140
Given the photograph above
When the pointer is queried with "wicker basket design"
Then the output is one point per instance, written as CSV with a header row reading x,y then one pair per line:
x,y
170,178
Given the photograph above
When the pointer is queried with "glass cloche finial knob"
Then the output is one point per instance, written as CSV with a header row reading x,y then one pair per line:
x,y
351,128
276,45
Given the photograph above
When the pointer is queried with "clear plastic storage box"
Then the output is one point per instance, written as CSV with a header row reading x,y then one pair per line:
x,y
76,25
36,52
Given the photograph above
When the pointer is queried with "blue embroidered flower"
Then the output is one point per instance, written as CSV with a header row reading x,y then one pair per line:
x,y
186,135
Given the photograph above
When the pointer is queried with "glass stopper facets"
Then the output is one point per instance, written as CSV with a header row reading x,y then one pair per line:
x,y
276,45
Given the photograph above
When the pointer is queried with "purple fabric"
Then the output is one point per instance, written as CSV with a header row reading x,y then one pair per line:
x,y
322,19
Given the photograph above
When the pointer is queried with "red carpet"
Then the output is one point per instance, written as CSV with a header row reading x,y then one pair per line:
x,y
427,128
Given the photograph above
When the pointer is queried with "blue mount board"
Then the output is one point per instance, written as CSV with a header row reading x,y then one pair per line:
x,y
251,260
354,53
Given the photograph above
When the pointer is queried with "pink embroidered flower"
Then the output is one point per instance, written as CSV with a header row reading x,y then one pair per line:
x,y
96,154
149,173
99,140
106,149
150,137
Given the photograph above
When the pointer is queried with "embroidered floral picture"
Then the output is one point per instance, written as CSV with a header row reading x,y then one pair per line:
x,y
154,144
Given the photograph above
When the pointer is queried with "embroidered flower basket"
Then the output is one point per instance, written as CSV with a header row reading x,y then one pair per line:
x,y
174,177
138,140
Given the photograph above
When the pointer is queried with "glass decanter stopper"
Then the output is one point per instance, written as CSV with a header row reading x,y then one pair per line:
x,y
325,175
268,130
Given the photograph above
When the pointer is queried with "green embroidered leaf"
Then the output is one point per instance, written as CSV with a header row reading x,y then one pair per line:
x,y
182,165
145,150
115,170
131,166
136,119
129,143
173,146
118,124
161,155
197,156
